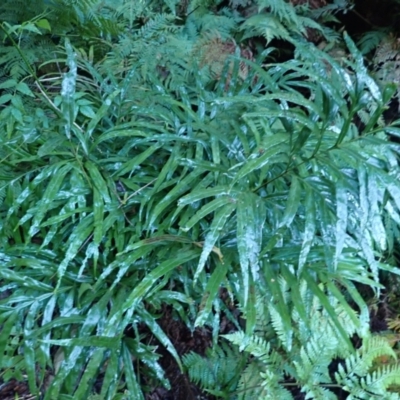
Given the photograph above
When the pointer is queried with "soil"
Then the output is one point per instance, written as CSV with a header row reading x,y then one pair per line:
x,y
184,341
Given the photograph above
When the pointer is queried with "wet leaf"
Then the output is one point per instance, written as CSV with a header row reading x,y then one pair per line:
x,y
131,380
149,320
49,197
250,222
309,231
78,238
277,144
101,113
341,222
293,202
211,292
214,233
207,209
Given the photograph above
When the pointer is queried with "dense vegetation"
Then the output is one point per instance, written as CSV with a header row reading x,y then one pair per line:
x,y
230,165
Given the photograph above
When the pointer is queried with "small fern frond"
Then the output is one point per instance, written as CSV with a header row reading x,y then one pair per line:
x,y
281,9
379,380
219,371
281,331
370,40
266,25
394,323
200,369
355,375
250,384
254,345
373,348
313,362
330,9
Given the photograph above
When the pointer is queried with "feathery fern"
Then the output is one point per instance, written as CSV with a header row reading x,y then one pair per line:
x,y
307,362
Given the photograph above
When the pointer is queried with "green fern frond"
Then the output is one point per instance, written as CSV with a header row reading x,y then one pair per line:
x,y
370,40
381,379
218,372
279,326
331,9
309,360
217,25
266,25
356,375
272,389
314,359
281,9
250,384
201,370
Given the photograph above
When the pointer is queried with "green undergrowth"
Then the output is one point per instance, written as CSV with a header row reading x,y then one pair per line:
x,y
141,170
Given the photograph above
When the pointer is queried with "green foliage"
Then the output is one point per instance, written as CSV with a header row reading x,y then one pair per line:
x,y
277,19
166,41
218,372
146,170
316,359
35,28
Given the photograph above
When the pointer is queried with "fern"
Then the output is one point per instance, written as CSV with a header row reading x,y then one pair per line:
x,y
331,8
371,40
218,371
309,360
280,19
358,378
37,27
161,162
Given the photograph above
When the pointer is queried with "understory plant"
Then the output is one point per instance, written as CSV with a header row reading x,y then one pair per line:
x,y
128,186
317,361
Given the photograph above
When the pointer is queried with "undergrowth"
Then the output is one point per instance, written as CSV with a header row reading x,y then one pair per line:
x,y
150,157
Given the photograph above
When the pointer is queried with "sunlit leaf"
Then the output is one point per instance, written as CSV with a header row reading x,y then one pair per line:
x,y
91,370
101,113
149,320
293,202
277,144
151,278
202,194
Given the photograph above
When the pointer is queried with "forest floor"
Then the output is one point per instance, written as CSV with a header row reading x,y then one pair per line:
x,y
184,342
